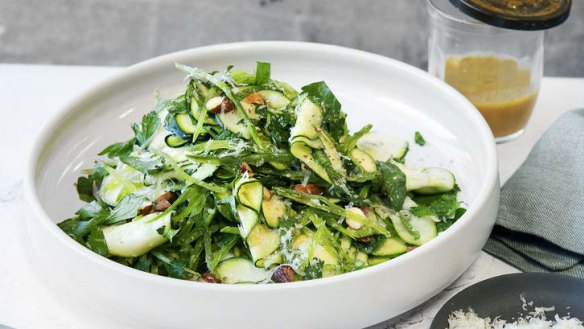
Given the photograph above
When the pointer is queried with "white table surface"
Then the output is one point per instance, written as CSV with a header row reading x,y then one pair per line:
x,y
30,94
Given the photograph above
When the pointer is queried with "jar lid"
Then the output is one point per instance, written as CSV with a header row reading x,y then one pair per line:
x,y
517,14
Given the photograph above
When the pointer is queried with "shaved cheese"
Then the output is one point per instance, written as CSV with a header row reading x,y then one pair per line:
x,y
535,320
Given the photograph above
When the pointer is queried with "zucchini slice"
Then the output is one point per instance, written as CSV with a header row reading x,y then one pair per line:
x,y
262,242
248,218
346,243
381,149
233,121
361,259
174,141
249,192
306,244
312,143
120,182
331,152
185,123
391,246
323,254
412,229
270,260
363,160
204,171
377,260
274,99
196,113
136,238
240,270
304,153
308,119
274,210
428,180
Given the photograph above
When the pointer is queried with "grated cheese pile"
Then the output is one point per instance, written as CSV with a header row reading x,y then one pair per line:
x,y
535,320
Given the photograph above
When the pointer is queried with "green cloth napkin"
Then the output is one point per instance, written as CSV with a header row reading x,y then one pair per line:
x,y
540,225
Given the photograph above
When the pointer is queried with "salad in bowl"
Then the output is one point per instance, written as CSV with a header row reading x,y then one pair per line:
x,y
244,179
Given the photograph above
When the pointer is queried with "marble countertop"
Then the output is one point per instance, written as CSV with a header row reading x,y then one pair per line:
x,y
30,94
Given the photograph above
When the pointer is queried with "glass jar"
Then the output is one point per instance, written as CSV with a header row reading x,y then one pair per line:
x,y
499,70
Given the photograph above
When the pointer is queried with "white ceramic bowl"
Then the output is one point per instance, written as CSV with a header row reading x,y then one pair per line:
x,y
397,98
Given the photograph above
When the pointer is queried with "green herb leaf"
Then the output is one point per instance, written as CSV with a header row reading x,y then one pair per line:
x,y
447,222
119,149
419,139
351,141
278,127
144,132
368,248
176,268
86,185
90,210
443,205
96,242
144,165
126,209
392,183
313,269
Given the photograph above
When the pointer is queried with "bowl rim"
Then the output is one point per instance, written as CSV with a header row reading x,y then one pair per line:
x,y
490,180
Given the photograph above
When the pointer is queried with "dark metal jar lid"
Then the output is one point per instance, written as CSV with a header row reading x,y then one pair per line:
x,y
517,14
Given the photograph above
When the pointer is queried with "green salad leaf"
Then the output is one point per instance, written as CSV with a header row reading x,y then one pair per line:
x,y
144,131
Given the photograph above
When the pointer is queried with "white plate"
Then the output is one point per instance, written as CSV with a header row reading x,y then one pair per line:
x,y
396,98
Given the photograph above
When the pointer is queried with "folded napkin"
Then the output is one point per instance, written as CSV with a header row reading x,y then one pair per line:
x,y
540,225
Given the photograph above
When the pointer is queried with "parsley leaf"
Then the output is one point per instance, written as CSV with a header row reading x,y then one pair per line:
x,y
92,216
419,139
144,165
90,210
144,132
86,185
176,268
119,149
96,242
127,208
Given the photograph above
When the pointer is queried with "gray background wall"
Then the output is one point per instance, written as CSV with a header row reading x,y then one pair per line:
x,y
122,32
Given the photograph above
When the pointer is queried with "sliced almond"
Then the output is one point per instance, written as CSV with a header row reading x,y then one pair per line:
x,y
214,104
308,188
352,223
255,98
267,194
245,168
209,278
